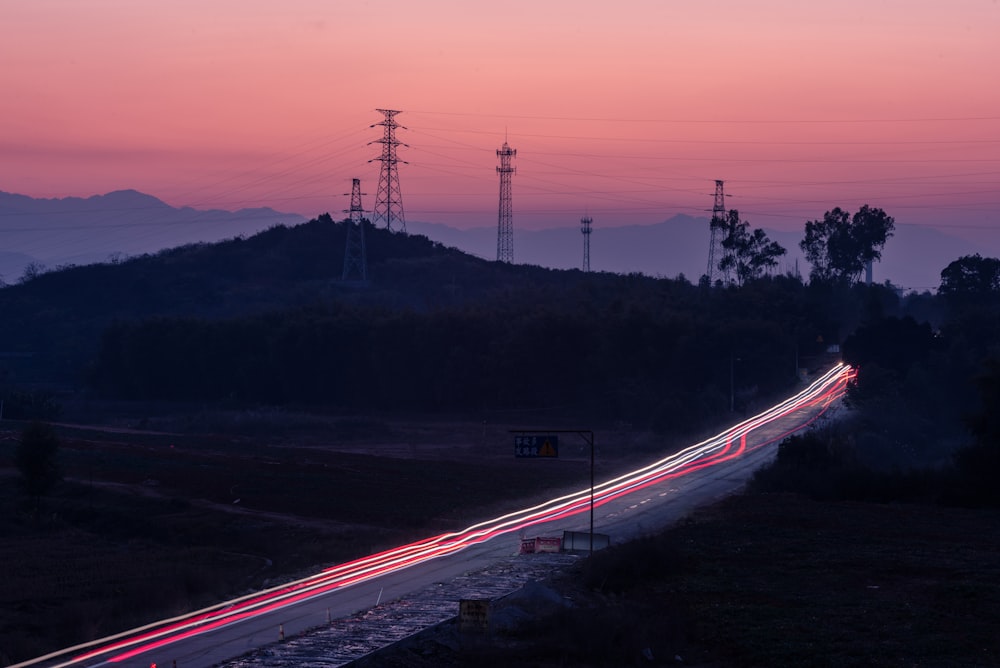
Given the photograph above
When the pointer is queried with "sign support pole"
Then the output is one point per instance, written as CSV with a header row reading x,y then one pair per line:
x,y
588,436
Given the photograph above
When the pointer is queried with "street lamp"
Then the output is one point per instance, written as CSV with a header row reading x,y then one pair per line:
x,y
732,381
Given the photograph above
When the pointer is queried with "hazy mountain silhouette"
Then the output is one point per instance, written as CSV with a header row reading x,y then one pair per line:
x,y
75,230
676,246
913,258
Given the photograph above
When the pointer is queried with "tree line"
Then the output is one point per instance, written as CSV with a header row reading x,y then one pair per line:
x,y
267,320
838,247
926,399
656,352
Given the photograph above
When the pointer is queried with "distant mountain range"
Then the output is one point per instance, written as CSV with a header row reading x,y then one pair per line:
x,y
75,230
912,259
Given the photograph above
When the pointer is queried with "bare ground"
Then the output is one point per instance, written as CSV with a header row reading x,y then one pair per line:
x,y
762,580
152,520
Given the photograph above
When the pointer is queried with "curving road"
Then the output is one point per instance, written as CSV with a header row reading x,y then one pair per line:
x,y
629,505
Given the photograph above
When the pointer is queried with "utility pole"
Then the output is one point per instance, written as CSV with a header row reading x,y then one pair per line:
x,y
585,224
715,250
388,200
355,254
732,382
733,359
505,224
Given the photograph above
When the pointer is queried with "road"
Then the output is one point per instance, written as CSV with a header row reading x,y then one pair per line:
x,y
628,506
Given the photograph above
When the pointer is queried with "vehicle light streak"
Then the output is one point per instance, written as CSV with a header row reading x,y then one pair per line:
x,y
723,447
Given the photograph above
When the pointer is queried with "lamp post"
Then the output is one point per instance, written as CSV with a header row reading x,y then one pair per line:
x,y
733,359
732,382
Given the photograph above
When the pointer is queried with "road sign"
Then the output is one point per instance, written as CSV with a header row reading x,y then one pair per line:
x,y
474,614
536,445
540,544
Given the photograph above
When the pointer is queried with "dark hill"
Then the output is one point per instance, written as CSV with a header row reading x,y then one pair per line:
x,y
58,316
266,319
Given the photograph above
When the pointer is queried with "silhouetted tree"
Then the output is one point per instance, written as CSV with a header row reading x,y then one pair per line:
x,y
890,355
749,254
895,344
971,274
971,281
979,462
32,271
35,458
839,246
985,424
29,405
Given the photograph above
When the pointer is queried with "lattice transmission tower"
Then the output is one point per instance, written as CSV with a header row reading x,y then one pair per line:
x,y
585,224
388,199
355,254
715,250
505,226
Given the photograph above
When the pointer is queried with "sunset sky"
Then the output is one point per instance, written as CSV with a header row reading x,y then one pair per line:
x,y
625,110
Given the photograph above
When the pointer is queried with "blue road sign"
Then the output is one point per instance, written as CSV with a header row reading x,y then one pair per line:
x,y
536,445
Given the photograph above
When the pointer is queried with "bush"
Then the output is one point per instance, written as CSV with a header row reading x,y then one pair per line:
x,y
35,457
822,465
30,405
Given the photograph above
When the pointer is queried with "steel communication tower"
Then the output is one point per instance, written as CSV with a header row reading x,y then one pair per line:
x,y
715,250
355,255
585,224
505,226
388,200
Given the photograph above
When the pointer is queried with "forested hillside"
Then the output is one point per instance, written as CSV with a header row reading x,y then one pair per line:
x,y
925,424
58,316
267,320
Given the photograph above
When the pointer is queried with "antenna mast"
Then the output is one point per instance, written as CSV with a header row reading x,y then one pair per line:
x,y
585,224
505,226
388,200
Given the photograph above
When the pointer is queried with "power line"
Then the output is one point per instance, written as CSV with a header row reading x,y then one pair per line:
x,y
928,119
738,142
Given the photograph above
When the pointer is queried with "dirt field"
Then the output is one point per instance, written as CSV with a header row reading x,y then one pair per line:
x,y
149,523
761,581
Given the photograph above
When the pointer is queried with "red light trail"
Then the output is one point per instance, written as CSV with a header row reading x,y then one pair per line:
x,y
721,448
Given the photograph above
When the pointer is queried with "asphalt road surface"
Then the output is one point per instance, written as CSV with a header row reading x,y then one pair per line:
x,y
638,503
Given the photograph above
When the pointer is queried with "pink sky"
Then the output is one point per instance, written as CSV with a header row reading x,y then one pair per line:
x,y
627,110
